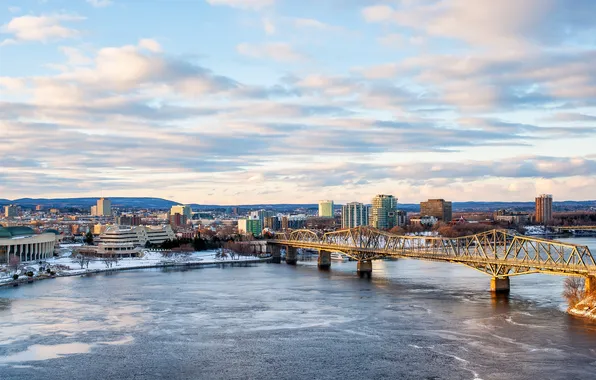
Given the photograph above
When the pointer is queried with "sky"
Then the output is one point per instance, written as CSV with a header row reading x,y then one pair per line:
x,y
292,101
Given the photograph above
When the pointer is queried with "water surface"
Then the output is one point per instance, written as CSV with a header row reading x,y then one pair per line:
x,y
413,320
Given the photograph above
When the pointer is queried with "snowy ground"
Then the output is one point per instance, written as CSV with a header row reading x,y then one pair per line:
x,y
67,265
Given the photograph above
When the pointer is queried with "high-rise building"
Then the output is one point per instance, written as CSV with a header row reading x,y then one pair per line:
x,y
93,210
402,218
177,219
11,211
326,209
272,222
354,214
439,208
544,208
104,207
261,215
182,210
383,212
250,226
129,220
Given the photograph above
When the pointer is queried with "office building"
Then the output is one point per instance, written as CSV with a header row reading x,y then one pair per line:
x,y
177,219
250,226
402,218
439,208
182,210
272,223
326,209
11,211
544,209
129,220
354,214
382,213
137,235
261,215
93,211
104,207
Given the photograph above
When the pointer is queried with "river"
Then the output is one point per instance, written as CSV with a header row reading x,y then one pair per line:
x,y
412,320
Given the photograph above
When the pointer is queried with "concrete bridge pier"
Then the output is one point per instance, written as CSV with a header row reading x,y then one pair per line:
x,y
590,284
275,253
364,268
499,285
291,255
324,262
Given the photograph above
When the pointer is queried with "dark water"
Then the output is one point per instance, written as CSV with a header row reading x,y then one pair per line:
x,y
413,320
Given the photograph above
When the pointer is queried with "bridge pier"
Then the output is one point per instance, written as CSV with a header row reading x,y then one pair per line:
x,y
275,253
364,268
324,262
499,285
590,285
291,255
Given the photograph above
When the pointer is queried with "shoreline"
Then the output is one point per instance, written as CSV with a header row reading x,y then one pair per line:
x,y
84,272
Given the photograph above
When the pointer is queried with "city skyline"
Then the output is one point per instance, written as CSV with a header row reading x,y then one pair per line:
x,y
262,101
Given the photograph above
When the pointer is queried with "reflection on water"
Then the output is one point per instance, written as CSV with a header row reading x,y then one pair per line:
x,y
39,352
413,319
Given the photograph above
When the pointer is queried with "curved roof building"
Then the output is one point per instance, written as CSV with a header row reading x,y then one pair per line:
x,y
24,243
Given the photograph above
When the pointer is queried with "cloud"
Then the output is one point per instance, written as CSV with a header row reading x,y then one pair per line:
x,y
149,44
40,28
75,57
277,51
309,23
243,4
14,9
506,23
268,26
99,3
571,117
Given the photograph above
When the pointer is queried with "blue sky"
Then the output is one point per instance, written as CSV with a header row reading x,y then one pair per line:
x,y
270,101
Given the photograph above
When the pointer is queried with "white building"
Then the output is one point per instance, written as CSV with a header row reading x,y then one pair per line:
x,y
137,235
24,243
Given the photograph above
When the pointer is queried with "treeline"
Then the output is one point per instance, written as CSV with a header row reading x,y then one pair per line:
x,y
447,230
198,243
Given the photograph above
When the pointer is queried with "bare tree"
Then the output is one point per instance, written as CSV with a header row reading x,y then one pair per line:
x,y
82,261
110,261
574,290
14,262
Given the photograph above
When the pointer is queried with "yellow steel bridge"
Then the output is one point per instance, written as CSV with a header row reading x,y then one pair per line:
x,y
498,253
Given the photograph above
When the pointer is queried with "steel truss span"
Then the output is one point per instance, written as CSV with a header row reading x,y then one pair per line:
x,y
497,252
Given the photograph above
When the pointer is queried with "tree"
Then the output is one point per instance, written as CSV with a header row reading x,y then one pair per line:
x,y
110,261
14,262
574,290
88,238
82,260
397,230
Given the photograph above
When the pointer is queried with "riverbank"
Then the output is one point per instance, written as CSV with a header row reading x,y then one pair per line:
x,y
585,308
63,266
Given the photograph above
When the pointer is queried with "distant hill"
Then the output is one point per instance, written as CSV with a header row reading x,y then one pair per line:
x,y
153,203
160,203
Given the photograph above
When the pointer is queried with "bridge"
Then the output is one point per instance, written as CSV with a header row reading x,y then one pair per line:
x,y
497,253
575,228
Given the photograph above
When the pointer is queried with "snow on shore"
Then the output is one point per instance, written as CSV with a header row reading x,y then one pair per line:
x,y
68,266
